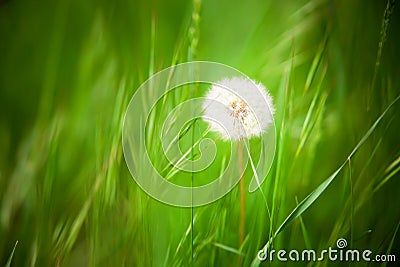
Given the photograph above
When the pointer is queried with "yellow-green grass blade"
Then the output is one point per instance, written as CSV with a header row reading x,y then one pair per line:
x,y
8,264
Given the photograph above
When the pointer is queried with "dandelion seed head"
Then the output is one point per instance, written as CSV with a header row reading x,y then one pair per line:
x,y
238,108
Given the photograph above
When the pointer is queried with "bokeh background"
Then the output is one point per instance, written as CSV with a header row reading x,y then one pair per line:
x,y
69,68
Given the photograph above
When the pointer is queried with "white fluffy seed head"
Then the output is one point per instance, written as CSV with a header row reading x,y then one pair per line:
x,y
238,108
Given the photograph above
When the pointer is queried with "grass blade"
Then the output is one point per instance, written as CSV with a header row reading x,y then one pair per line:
x,y
315,64
314,195
390,173
229,249
8,264
389,249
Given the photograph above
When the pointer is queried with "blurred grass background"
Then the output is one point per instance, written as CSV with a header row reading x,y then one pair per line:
x,y
69,68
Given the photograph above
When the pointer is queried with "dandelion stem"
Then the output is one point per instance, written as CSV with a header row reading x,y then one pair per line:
x,y
242,192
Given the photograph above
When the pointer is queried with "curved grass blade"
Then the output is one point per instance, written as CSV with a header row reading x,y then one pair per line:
x,y
314,195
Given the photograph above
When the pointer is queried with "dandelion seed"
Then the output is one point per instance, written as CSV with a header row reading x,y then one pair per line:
x,y
238,108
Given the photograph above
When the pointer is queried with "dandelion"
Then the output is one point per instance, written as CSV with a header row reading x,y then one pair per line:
x,y
238,108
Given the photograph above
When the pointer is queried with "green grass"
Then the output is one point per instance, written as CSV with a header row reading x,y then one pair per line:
x,y
69,69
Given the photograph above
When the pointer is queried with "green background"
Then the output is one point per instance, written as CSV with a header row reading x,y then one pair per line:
x,y
69,68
